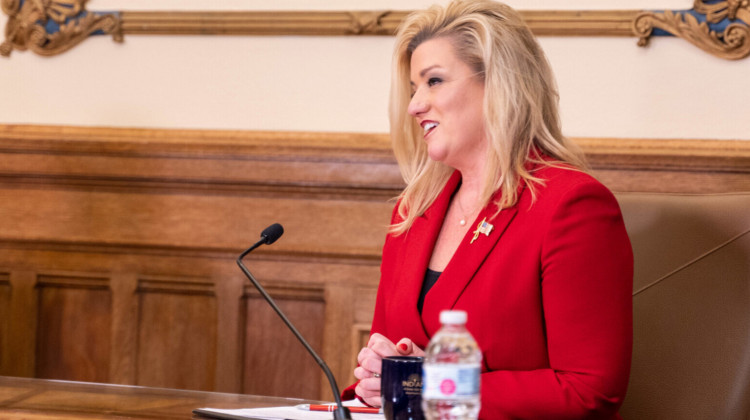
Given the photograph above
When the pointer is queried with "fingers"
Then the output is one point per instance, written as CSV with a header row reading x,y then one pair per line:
x,y
382,346
370,360
363,373
406,347
374,401
369,390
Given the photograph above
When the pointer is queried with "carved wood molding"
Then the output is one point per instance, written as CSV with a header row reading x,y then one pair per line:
x,y
687,155
551,22
222,147
181,285
55,178
261,23
733,42
28,24
26,30
284,290
73,280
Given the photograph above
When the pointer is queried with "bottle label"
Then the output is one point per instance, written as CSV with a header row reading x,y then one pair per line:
x,y
450,381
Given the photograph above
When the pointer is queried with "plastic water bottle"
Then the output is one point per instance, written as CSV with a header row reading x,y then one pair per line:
x,y
451,371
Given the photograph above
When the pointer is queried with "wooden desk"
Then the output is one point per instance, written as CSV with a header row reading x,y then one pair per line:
x,y
31,399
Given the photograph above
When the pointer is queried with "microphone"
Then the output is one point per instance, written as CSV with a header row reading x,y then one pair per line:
x,y
269,236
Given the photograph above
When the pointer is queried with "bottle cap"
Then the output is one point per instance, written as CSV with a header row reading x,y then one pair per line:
x,y
453,317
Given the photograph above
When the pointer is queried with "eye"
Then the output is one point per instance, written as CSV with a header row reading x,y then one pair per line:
x,y
432,81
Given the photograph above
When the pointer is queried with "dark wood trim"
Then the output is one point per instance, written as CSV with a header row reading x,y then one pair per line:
x,y
319,164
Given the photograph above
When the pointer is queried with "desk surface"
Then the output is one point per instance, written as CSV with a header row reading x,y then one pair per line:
x,y
32,399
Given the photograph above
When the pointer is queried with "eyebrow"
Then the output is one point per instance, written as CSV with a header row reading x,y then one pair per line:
x,y
424,71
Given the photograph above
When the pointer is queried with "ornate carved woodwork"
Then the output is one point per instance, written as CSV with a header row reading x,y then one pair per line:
x,y
261,23
27,24
557,22
53,26
733,42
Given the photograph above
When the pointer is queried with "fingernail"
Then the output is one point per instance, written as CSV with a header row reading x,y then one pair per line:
x,y
403,346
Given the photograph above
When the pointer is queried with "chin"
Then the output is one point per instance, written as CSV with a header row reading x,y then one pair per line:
x,y
438,155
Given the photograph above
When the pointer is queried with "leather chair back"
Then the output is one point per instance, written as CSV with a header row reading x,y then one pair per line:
x,y
691,306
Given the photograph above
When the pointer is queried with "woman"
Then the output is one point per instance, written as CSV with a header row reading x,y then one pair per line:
x,y
499,219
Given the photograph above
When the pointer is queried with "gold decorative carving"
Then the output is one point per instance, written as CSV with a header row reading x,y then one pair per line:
x,y
25,28
26,25
732,9
261,23
733,43
580,22
369,23
549,22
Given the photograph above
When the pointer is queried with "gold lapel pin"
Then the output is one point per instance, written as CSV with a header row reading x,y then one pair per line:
x,y
482,227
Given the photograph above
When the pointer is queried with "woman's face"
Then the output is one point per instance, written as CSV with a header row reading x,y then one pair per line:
x,y
447,104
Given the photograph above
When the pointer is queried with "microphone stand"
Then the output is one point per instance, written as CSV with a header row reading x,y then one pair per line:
x,y
341,412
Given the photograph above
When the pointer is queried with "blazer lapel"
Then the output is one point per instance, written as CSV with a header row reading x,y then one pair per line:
x,y
467,259
419,243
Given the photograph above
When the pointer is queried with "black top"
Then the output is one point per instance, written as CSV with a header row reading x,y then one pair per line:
x,y
430,278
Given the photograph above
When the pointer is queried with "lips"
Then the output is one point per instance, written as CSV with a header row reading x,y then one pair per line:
x,y
428,126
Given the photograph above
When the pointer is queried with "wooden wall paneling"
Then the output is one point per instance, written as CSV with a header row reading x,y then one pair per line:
x,y
341,278
124,331
193,221
275,362
73,328
359,337
675,181
670,165
229,295
177,333
5,301
359,329
164,214
22,328
339,315
349,306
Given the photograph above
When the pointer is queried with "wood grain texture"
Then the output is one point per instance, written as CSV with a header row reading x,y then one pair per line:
x,y
73,327
124,332
36,399
370,22
5,301
18,355
276,363
177,333
131,236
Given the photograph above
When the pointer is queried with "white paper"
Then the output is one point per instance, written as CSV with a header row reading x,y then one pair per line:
x,y
291,413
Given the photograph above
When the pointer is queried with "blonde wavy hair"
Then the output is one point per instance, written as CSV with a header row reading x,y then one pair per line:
x,y
520,104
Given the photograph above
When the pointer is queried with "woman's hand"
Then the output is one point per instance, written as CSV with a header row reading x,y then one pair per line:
x,y
406,347
370,361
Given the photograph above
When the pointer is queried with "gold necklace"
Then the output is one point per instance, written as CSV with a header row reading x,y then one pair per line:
x,y
461,222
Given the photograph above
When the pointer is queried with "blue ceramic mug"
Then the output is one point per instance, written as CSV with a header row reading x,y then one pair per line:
x,y
401,388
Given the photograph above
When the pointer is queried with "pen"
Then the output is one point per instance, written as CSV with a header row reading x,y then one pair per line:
x,y
327,407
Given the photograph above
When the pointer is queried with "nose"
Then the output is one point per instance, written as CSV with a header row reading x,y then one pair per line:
x,y
418,104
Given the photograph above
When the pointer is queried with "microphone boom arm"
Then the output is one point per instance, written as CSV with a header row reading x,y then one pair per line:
x,y
341,412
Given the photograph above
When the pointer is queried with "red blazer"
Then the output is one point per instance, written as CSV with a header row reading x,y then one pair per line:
x,y
548,294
